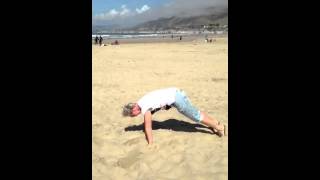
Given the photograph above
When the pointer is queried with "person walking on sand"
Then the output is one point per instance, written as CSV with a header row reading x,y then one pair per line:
x,y
96,40
100,40
164,99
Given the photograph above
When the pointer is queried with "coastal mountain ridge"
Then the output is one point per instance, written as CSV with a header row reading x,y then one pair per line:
x,y
174,22
183,22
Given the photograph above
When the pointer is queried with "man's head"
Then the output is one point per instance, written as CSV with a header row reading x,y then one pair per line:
x,y
131,109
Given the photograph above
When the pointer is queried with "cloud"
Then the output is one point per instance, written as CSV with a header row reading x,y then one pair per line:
x,y
124,11
113,13
143,9
107,16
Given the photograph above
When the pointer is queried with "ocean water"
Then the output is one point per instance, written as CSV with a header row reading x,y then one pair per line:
x,y
128,35
119,36
143,35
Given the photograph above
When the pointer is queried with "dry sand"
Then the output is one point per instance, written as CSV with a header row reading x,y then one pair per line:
x,y
182,149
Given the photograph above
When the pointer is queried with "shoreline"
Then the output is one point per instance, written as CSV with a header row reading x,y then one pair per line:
x,y
163,39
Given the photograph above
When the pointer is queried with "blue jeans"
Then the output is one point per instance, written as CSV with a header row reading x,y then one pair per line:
x,y
185,107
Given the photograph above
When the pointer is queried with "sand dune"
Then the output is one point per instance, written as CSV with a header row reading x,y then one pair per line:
x,y
182,149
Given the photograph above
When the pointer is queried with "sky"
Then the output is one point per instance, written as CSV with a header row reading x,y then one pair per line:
x,y
132,12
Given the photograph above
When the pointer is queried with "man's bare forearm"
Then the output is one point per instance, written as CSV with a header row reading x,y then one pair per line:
x,y
148,127
149,135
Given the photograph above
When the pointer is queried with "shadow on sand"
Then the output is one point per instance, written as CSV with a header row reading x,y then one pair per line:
x,y
171,124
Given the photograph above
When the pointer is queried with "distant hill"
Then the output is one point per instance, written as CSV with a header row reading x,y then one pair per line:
x,y
174,22
183,22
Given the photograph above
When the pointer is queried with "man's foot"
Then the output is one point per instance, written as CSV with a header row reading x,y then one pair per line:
x,y
220,133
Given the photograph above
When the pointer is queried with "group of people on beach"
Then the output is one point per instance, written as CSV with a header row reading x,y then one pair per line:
x,y
100,40
180,37
209,40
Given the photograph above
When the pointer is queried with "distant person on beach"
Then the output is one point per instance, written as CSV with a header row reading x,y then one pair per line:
x,y
209,40
180,38
96,40
164,99
100,40
116,42
172,36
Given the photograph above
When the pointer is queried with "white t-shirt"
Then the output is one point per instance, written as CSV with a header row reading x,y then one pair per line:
x,y
157,99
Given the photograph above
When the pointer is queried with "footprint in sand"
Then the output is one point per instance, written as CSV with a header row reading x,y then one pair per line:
x,y
98,141
130,159
97,125
176,158
133,141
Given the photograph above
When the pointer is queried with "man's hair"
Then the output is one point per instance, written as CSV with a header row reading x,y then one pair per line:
x,y
127,109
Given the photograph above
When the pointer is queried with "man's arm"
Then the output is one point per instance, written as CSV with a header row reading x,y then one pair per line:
x,y
148,127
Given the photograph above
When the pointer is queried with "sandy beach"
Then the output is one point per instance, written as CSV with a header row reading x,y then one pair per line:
x,y
182,149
